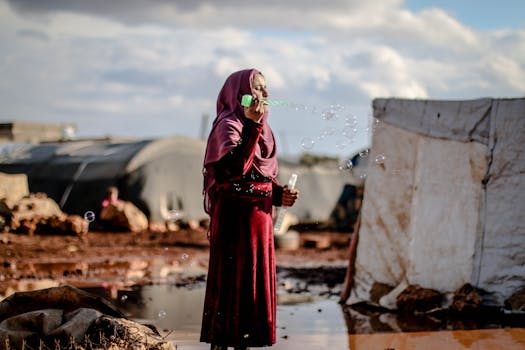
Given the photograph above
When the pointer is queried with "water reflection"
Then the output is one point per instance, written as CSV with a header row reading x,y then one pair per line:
x,y
308,322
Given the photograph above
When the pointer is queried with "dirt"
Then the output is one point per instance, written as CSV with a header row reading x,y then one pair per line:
x,y
119,260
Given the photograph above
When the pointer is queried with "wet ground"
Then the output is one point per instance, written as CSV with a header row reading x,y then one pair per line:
x,y
159,278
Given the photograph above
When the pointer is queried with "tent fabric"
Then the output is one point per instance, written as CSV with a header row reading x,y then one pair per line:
x,y
452,120
445,206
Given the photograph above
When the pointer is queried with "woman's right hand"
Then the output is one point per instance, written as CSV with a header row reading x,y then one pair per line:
x,y
256,109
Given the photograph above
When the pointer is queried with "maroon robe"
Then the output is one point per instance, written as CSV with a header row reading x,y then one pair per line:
x,y
240,300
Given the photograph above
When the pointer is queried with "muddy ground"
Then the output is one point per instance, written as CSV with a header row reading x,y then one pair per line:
x,y
118,260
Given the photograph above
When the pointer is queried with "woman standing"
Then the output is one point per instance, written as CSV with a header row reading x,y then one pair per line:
x,y
240,187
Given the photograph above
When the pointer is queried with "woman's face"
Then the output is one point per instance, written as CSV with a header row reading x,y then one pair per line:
x,y
259,87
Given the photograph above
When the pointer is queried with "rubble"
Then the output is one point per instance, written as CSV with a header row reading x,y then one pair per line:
x,y
66,316
38,214
466,299
516,301
415,298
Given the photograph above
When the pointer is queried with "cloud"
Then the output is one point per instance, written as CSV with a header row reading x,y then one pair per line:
x,y
146,68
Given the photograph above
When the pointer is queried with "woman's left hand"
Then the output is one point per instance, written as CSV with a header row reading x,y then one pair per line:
x,y
289,196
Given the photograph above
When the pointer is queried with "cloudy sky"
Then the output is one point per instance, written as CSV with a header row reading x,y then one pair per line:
x,y
152,68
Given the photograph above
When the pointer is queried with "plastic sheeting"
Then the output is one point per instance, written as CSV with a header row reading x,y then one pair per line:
x,y
445,206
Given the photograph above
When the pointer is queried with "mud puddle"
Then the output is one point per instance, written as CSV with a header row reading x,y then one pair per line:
x,y
305,321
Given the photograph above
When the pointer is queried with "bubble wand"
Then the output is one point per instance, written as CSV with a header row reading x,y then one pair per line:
x,y
283,210
246,101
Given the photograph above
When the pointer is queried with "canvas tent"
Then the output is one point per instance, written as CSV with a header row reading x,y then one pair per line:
x,y
156,175
444,204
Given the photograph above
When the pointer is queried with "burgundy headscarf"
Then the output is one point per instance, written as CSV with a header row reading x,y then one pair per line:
x,y
226,133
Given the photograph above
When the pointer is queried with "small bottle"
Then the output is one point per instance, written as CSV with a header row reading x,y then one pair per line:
x,y
283,209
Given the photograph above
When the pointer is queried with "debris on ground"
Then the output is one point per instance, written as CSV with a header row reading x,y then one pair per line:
x,y
68,317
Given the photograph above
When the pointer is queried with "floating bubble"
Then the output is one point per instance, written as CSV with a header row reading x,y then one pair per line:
x,y
174,215
89,216
364,153
162,314
362,175
349,132
184,256
124,298
346,165
375,124
307,143
246,336
341,144
380,159
329,114
328,131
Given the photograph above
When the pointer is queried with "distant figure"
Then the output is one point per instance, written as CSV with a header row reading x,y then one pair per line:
x,y
111,198
117,214
240,187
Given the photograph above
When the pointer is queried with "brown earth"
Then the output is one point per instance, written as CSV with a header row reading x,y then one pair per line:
x,y
119,260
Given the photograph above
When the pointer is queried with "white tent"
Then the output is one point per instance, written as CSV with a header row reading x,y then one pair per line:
x,y
444,200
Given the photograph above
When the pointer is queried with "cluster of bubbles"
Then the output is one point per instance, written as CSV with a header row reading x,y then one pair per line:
x,y
344,135
162,314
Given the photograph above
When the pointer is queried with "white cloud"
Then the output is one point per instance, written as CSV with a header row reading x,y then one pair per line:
x,y
138,67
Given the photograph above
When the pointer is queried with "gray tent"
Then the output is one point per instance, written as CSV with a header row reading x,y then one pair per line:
x,y
444,205
156,175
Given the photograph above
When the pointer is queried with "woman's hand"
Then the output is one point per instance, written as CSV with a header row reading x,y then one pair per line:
x,y
289,196
256,110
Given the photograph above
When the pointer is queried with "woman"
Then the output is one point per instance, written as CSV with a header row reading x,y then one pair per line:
x,y
240,187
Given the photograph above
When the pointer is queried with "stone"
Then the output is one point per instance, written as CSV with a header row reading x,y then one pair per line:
x,y
466,299
418,299
516,301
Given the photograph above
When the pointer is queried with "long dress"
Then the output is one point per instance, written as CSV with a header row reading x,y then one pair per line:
x,y
240,299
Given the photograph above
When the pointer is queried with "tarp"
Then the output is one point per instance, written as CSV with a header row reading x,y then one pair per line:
x,y
445,206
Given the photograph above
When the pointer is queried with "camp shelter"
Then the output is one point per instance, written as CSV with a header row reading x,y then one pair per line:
x,y
444,199
158,176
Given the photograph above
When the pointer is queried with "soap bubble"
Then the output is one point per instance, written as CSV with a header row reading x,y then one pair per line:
x,y
362,175
162,314
329,114
351,120
346,165
184,256
380,159
124,298
375,124
349,132
340,144
89,216
364,153
174,215
307,143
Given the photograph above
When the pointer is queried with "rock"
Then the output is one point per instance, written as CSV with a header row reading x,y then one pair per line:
x,y
13,187
389,300
34,206
418,299
516,301
124,215
465,299
288,241
379,290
